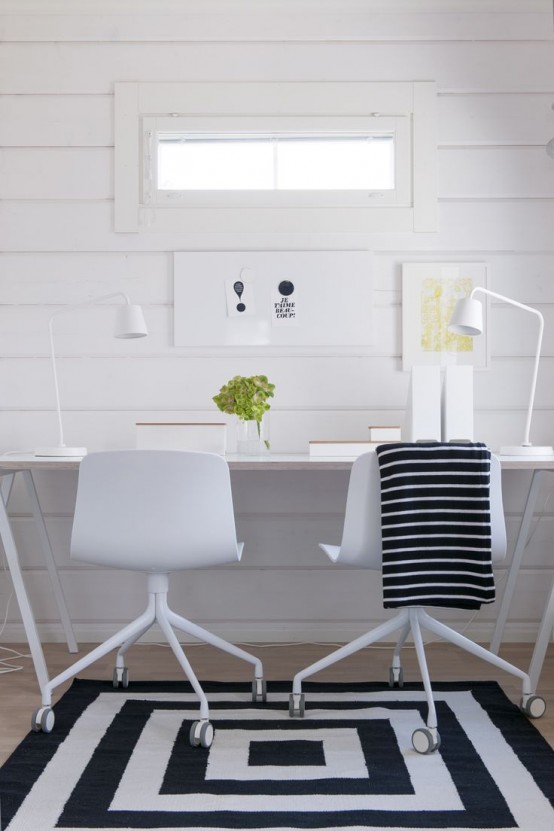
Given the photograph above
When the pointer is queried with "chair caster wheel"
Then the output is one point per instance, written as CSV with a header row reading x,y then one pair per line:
x,y
259,690
42,720
425,740
533,706
296,705
396,677
120,677
201,734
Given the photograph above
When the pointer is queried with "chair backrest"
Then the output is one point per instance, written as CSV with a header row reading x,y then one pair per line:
x,y
154,510
361,537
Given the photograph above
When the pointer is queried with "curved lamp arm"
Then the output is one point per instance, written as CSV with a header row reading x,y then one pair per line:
x,y
526,442
130,325
464,322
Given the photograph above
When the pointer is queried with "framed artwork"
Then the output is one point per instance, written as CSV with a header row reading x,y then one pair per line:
x,y
430,292
274,300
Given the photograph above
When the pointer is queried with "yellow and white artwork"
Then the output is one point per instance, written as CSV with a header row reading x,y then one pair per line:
x,y
430,292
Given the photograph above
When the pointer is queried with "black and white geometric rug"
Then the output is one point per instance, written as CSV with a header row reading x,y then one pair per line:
x,y
121,759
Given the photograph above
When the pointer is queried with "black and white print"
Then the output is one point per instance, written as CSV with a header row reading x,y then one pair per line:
x,y
125,762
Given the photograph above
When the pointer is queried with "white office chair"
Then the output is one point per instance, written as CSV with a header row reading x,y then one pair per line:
x,y
361,547
154,511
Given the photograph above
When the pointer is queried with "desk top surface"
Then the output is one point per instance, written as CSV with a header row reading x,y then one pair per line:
x,y
11,462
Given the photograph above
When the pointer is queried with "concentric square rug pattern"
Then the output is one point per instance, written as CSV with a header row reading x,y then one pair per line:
x,y
122,759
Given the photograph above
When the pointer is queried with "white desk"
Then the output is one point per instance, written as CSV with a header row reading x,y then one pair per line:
x,y
26,464
541,466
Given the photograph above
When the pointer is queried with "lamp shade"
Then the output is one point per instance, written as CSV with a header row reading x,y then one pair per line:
x,y
467,318
129,322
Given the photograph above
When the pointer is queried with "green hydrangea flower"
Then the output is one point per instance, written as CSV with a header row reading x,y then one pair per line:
x,y
245,397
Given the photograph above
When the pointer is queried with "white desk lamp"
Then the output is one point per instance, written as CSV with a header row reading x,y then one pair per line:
x,y
468,320
129,324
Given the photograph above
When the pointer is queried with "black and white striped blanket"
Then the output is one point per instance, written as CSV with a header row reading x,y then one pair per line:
x,y
436,525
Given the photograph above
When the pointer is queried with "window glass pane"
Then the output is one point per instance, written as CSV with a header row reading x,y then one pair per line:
x,y
215,165
273,162
336,164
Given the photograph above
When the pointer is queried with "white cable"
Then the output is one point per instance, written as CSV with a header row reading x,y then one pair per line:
x,y
5,666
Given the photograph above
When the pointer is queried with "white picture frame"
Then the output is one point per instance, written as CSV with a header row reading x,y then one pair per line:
x,y
329,305
429,294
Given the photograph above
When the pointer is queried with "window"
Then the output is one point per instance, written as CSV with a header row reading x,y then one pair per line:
x,y
279,161
186,165
314,147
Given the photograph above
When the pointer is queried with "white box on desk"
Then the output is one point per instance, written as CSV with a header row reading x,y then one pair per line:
x,y
385,433
424,404
351,449
457,403
209,437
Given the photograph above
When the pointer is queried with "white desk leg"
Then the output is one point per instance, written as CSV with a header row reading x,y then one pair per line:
x,y
22,598
50,562
516,561
543,639
6,487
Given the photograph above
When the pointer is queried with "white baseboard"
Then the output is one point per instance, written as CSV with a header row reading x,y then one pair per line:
x,y
481,632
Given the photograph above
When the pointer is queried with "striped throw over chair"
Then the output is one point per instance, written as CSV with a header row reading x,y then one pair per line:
x,y
430,516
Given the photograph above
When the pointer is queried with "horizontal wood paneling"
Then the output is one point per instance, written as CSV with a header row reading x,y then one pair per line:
x,y
77,120
485,173
464,226
93,68
88,332
273,7
191,382
464,173
500,119
523,275
272,598
493,64
54,120
273,545
346,25
52,279
24,331
55,173
290,430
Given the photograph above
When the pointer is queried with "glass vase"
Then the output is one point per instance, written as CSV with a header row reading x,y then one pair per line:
x,y
253,437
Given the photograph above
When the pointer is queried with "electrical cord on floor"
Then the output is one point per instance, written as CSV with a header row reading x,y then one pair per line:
x,y
5,665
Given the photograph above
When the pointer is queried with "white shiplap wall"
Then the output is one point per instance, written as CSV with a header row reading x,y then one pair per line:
x,y
494,66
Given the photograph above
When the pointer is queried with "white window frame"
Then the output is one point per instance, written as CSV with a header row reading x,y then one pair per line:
x,y
408,109
399,127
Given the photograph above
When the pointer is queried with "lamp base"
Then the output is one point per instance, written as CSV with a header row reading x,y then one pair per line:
x,y
526,450
61,451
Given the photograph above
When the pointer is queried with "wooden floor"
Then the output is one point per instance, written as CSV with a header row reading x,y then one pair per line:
x,y
20,695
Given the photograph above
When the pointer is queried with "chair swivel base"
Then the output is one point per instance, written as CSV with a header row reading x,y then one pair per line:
x,y
414,619
157,610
